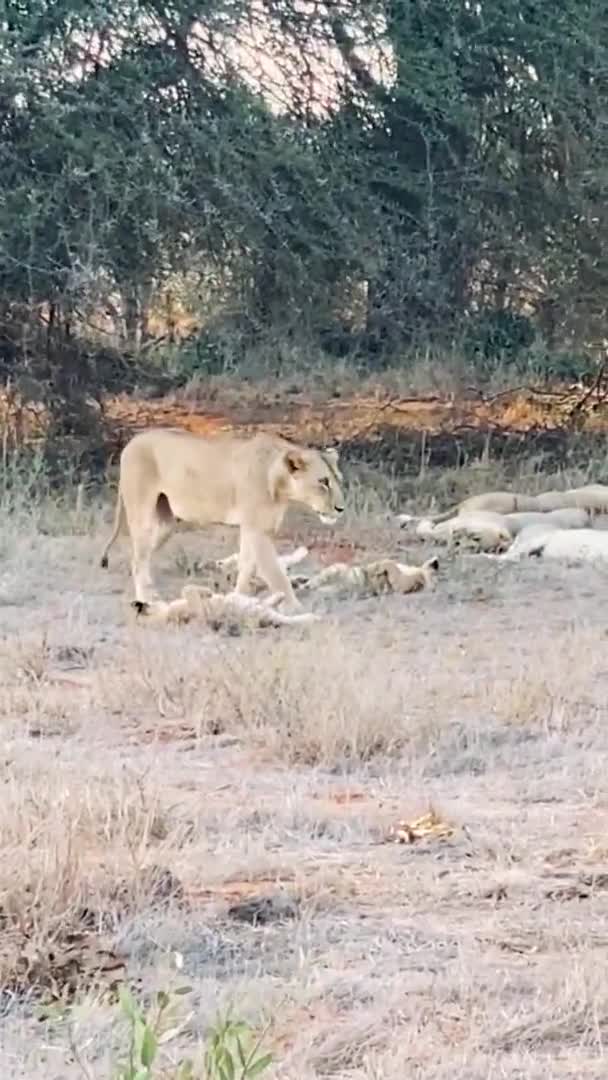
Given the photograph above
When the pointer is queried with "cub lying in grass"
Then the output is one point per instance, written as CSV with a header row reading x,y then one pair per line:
x,y
370,579
231,608
220,610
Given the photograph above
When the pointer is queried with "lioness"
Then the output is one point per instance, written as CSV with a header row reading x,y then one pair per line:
x,y
169,476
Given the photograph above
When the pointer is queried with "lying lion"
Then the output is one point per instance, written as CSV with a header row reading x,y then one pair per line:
x,y
480,531
567,518
371,579
485,530
591,497
579,545
169,476
198,602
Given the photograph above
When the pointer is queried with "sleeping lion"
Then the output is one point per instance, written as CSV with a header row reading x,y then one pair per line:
x,y
591,497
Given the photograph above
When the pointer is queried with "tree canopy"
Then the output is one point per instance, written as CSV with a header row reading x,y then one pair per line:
x,y
378,172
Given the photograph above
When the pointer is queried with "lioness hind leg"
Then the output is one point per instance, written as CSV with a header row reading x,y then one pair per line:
x,y
144,545
149,530
269,568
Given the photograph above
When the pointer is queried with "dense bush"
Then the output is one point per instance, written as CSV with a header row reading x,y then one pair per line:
x,y
366,176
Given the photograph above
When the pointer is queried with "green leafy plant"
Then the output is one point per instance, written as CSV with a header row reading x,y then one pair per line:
x,y
149,1031
233,1050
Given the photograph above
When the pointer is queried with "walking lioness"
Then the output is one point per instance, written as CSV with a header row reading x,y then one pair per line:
x,y
169,476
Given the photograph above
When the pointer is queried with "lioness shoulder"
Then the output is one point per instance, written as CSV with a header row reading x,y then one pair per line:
x,y
169,476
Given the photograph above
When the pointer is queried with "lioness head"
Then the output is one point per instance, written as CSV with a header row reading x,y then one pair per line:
x,y
312,478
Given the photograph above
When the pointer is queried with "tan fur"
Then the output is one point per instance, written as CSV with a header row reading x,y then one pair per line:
x,y
226,569
569,518
591,497
169,476
498,502
374,578
198,602
487,531
478,531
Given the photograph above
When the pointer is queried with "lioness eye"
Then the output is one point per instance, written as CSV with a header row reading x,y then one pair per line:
x,y
324,482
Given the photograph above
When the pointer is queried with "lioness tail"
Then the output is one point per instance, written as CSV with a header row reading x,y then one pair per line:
x,y
118,523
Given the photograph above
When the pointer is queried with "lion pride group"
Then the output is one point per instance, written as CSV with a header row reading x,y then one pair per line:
x,y
168,477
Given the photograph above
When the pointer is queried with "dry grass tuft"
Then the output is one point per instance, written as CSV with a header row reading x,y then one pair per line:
x,y
313,700
79,853
171,790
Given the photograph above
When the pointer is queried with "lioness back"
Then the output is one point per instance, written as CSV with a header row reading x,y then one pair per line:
x,y
228,479
179,466
220,478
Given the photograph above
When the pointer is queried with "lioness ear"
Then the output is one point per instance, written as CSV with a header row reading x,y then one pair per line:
x,y
294,461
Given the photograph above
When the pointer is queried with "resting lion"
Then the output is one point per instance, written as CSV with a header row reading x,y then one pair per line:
x,y
217,609
372,579
169,476
591,497
570,545
479,531
568,518
485,530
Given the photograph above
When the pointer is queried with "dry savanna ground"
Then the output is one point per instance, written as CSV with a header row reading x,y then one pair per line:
x,y
232,799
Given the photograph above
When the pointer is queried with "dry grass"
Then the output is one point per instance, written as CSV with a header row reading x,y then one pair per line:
x,y
236,798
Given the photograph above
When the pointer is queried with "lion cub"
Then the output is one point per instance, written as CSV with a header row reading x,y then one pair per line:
x,y
220,610
371,579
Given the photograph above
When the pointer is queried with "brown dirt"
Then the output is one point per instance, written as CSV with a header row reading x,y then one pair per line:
x,y
347,419
353,418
